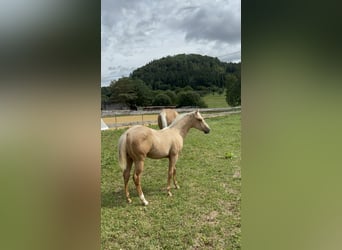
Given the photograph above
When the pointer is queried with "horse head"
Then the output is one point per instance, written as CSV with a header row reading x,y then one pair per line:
x,y
199,123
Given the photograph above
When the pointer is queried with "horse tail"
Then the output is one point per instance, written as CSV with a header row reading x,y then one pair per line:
x,y
162,123
122,151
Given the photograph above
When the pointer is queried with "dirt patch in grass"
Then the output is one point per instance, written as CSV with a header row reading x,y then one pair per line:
x,y
131,118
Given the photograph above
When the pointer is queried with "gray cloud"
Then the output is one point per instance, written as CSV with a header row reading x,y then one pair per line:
x,y
212,22
134,32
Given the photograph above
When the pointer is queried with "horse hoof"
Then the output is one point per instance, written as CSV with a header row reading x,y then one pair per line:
x,y
145,203
169,193
177,187
129,200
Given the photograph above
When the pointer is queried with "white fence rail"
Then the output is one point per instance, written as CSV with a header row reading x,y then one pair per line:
x,y
126,118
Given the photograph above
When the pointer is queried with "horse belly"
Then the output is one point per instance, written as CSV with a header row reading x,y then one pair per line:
x,y
158,153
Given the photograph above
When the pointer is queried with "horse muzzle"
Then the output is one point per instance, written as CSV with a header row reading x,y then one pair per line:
x,y
207,131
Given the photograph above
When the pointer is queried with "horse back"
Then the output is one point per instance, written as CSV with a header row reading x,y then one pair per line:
x,y
168,115
171,115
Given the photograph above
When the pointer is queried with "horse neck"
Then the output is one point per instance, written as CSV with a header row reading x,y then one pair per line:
x,y
183,126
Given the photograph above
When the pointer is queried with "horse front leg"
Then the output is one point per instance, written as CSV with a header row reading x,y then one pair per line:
x,y
139,167
172,173
174,178
169,181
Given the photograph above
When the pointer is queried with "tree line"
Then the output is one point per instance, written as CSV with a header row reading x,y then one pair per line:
x,y
179,80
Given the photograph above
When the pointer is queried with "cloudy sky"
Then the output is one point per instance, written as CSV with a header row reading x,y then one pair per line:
x,y
135,32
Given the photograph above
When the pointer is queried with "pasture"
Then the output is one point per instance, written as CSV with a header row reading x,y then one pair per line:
x,y
203,214
215,100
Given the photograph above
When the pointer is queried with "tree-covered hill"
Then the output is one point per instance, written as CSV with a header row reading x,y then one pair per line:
x,y
179,80
197,71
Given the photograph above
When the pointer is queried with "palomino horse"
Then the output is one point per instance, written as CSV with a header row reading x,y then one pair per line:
x,y
166,117
140,142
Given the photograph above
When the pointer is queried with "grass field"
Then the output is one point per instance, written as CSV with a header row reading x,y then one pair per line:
x,y
203,214
215,101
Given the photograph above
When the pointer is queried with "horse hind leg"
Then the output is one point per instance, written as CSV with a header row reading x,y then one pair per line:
x,y
126,174
139,167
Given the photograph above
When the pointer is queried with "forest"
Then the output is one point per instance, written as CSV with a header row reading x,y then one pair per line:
x,y
180,80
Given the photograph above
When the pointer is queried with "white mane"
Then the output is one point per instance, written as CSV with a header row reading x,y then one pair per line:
x,y
178,118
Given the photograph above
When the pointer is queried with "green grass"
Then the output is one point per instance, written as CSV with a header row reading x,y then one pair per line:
x,y
203,214
215,100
